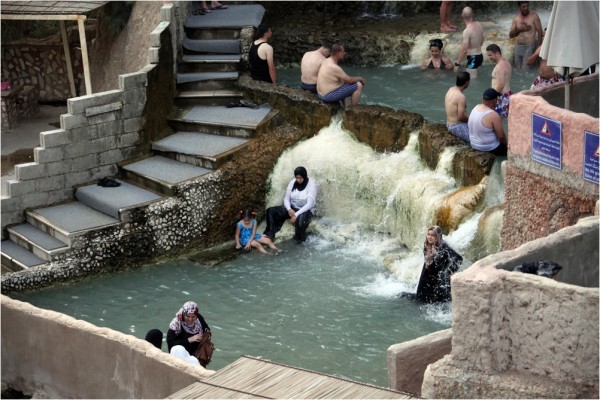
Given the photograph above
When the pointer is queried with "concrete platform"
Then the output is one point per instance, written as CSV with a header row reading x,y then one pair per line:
x,y
71,218
215,46
19,257
36,236
206,76
198,144
235,16
165,170
236,116
111,200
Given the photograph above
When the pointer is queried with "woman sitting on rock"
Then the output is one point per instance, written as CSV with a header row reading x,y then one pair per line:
x,y
441,261
298,203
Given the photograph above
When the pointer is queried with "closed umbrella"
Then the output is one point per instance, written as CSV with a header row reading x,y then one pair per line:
x,y
571,42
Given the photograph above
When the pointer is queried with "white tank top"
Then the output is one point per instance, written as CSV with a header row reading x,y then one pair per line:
x,y
481,137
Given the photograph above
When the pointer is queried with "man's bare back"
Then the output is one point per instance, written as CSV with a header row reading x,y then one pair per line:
x,y
456,104
473,38
311,62
330,77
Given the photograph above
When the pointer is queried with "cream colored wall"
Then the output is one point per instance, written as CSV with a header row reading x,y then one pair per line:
x,y
62,357
518,334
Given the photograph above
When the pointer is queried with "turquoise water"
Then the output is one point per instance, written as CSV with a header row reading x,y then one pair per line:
x,y
321,306
329,305
411,89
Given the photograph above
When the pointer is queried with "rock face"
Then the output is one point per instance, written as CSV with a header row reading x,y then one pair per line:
x,y
469,166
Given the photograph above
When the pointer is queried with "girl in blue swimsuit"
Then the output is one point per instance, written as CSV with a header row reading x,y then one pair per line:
x,y
246,236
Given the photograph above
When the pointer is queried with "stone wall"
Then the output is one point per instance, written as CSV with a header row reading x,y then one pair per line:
x,y
539,199
517,335
99,131
94,362
41,65
407,361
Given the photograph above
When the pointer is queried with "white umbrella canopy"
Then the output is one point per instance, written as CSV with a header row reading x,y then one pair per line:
x,y
571,39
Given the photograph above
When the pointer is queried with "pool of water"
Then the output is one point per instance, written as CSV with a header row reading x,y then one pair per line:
x,y
411,89
324,306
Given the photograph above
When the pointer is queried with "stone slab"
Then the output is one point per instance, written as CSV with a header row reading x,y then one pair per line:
x,y
166,170
21,255
235,16
235,116
34,235
200,144
215,58
74,217
110,200
221,46
206,76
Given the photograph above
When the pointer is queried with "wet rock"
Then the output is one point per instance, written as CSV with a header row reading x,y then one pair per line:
x,y
459,204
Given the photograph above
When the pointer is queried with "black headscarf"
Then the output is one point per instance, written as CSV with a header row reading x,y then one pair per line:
x,y
302,172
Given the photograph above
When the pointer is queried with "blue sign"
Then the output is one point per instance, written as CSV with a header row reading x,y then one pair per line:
x,y
546,141
591,155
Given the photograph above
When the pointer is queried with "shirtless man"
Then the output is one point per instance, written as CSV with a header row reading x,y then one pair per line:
x,y
524,27
333,84
260,57
456,107
311,62
471,44
500,78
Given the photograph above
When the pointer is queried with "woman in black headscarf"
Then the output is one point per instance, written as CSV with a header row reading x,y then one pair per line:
x,y
441,261
299,201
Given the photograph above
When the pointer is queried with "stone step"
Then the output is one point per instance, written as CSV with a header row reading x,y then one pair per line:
x,y
192,98
199,149
16,258
70,219
220,120
113,201
207,80
36,241
209,63
212,33
235,16
212,46
162,174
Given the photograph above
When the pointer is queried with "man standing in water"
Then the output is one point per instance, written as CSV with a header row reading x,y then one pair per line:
x,y
333,84
500,78
456,107
260,57
311,63
471,44
524,27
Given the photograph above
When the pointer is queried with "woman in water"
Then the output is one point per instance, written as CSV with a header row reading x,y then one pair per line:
x,y
299,201
441,261
437,60
187,328
246,236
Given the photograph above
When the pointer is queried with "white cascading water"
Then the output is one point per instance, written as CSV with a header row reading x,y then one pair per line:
x,y
374,204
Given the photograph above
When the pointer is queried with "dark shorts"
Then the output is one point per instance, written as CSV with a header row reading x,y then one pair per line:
x,y
340,93
474,62
310,87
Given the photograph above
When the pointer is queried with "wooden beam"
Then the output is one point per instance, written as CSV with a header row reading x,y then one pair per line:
x,y
63,34
41,17
84,55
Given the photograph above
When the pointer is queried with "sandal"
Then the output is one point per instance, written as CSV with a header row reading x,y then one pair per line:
x,y
219,7
206,10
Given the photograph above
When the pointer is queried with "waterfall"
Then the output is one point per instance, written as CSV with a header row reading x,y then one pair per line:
x,y
380,205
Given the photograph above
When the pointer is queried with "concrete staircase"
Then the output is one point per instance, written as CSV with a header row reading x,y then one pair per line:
x,y
207,134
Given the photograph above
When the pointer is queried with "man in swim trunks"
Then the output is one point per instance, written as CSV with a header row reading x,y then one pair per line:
x,y
311,63
500,78
333,84
456,107
524,27
471,43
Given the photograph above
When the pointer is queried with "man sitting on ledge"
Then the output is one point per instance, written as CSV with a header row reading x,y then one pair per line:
x,y
486,132
333,84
